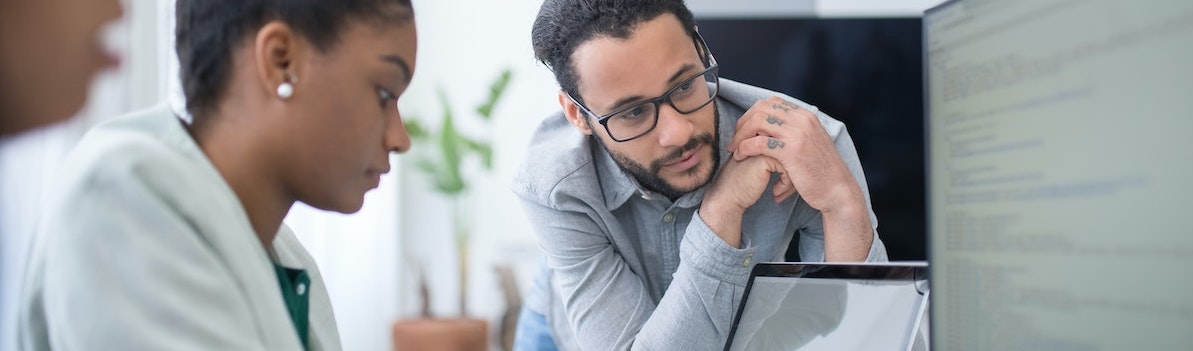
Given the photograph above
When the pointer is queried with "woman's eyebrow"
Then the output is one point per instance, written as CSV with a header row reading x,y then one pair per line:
x,y
397,60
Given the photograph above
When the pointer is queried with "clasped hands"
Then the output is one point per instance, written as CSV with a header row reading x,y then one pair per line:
x,y
778,136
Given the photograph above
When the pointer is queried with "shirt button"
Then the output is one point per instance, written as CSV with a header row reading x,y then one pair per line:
x,y
746,263
668,217
302,288
645,196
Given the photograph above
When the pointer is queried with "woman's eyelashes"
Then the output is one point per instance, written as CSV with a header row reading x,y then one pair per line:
x,y
386,97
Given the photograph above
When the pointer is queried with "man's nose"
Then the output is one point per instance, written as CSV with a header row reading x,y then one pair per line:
x,y
674,128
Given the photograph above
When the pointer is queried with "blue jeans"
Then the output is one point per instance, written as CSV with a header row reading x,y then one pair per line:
x,y
533,334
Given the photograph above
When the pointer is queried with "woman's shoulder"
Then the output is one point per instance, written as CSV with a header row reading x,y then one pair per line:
x,y
137,163
143,137
149,146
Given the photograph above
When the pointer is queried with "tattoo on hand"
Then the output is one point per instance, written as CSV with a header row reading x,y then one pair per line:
x,y
774,120
785,106
775,144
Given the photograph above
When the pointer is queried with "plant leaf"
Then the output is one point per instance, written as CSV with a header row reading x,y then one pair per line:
x,y
416,129
451,180
427,166
496,90
483,149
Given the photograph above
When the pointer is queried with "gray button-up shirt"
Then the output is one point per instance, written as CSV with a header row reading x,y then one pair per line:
x,y
627,268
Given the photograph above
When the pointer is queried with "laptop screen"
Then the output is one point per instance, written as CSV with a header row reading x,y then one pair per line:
x,y
798,306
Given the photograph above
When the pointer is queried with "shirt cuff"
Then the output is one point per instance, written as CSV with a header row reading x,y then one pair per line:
x,y
707,253
877,250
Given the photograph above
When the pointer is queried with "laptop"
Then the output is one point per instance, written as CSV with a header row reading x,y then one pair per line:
x,y
833,306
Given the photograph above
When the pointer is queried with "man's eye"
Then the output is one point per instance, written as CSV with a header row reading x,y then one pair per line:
x,y
684,87
634,113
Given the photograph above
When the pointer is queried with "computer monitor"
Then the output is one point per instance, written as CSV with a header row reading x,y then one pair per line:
x,y
1060,136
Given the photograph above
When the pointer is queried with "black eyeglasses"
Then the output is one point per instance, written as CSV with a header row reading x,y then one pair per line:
x,y
636,120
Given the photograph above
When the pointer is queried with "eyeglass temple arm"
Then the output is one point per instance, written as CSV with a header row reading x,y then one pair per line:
x,y
702,47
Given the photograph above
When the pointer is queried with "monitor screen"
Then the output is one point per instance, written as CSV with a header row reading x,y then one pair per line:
x,y
1060,136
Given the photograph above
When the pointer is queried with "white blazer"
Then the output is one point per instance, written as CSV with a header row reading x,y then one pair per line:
x,y
144,246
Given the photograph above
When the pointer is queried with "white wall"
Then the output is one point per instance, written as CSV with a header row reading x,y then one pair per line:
x,y
865,8
807,8
463,45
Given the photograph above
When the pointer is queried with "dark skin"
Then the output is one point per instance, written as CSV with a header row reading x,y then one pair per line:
x,y
48,57
808,160
329,142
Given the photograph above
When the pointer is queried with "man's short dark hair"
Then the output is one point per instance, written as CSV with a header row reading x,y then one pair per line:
x,y
208,30
562,25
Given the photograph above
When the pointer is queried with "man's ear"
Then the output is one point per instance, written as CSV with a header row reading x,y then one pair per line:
x,y
576,117
276,48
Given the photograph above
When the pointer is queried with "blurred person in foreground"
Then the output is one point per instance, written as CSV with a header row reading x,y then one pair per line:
x,y
49,52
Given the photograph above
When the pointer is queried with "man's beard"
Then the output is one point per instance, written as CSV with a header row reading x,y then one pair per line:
x,y
649,177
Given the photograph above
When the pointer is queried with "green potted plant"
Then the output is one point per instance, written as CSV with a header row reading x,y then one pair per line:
x,y
447,151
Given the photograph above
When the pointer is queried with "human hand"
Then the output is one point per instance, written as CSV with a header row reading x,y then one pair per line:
x,y
737,186
740,183
795,138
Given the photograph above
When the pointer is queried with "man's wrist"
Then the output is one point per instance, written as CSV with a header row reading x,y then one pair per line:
x,y
725,221
848,233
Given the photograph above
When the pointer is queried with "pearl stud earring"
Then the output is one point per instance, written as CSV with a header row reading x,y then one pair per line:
x,y
286,89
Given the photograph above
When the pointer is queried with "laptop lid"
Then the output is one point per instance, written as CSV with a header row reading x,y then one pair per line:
x,y
833,306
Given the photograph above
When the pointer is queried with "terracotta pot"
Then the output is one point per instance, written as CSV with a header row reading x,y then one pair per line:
x,y
456,334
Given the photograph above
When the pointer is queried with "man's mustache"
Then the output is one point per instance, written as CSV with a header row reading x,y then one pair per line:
x,y
692,144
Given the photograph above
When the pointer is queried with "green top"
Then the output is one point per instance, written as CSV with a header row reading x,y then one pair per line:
x,y
295,292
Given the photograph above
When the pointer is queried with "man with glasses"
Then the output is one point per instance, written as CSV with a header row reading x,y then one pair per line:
x,y
648,190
